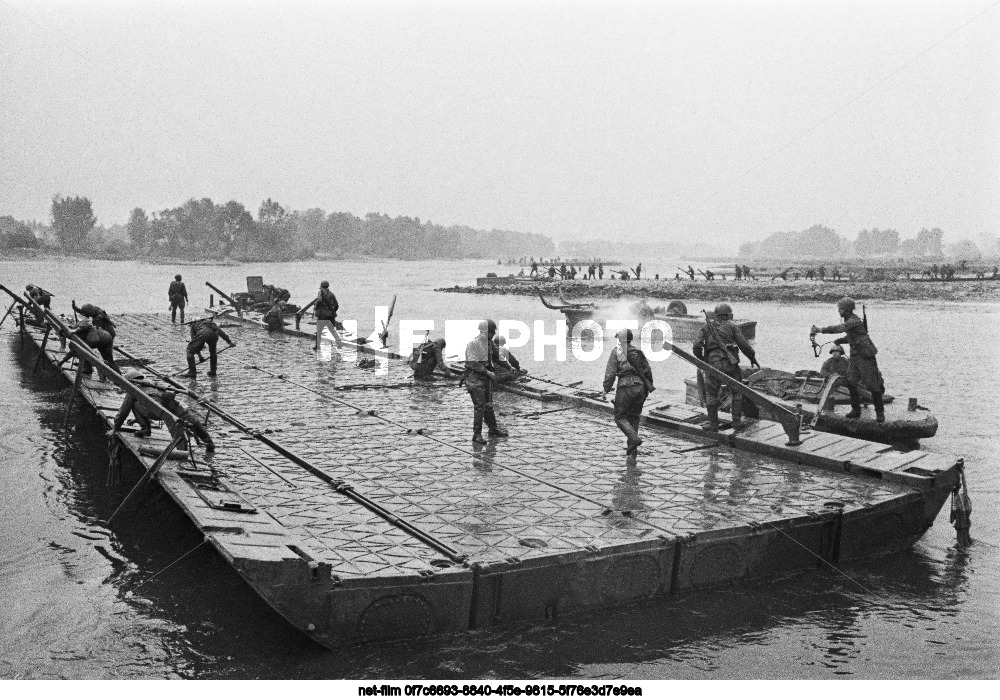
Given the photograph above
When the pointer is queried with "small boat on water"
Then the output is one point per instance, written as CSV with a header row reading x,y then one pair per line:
x,y
903,424
681,324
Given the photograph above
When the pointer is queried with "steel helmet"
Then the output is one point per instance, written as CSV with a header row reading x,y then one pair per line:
x,y
624,334
177,277
324,284
836,349
134,375
724,310
846,303
488,326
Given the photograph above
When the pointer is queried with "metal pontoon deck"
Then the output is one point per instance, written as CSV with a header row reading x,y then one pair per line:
x,y
378,519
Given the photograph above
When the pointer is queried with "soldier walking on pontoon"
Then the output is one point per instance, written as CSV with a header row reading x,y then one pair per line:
x,y
630,367
326,305
478,378
205,331
862,365
178,296
719,343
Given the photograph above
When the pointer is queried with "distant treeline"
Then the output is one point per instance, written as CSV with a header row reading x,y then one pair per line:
x,y
821,242
199,228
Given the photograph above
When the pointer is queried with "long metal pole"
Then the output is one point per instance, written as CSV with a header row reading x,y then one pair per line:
x,y
41,350
790,420
150,473
9,309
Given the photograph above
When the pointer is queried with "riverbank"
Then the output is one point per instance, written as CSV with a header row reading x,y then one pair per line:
x,y
785,291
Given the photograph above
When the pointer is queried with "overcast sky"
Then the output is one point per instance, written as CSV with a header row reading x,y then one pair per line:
x,y
644,120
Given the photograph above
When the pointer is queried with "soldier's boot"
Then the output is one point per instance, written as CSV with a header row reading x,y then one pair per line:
x,y
491,421
145,428
855,403
173,315
634,422
879,407
737,410
182,315
633,437
213,364
192,368
712,424
477,428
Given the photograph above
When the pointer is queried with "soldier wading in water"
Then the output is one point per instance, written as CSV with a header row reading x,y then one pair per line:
x,y
630,367
862,366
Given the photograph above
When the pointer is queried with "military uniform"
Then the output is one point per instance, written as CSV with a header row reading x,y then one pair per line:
x,y
477,383
862,367
326,305
178,296
97,339
40,297
274,318
838,364
204,332
427,357
633,374
720,344
99,318
166,397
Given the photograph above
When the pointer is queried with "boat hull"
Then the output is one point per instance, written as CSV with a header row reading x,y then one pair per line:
x,y
900,427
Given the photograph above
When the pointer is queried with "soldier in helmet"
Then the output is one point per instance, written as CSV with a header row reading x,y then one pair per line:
x,y
178,296
427,357
40,297
97,339
326,303
98,317
630,367
164,395
719,343
478,378
837,364
205,331
862,366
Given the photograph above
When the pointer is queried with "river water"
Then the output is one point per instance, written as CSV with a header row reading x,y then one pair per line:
x,y
70,606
